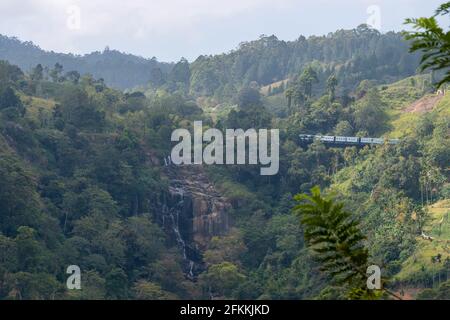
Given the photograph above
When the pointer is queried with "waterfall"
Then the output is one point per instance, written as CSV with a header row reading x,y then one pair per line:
x,y
172,209
176,226
192,212
191,268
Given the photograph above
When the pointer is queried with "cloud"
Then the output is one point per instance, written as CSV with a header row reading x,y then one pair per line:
x,y
172,28
46,21
105,15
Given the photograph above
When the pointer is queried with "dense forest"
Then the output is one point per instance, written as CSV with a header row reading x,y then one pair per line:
x,y
353,55
84,180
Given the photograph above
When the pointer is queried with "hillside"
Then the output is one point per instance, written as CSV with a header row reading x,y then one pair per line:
x,y
429,264
354,55
119,70
85,179
412,110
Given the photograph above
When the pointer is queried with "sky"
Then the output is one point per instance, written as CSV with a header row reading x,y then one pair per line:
x,y
171,29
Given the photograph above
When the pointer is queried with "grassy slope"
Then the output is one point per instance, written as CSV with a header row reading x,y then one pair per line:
x,y
427,249
399,95
38,109
265,90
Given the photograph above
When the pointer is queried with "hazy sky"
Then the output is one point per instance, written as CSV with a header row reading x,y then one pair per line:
x,y
170,29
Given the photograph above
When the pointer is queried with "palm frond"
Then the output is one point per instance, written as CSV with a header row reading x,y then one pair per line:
x,y
333,236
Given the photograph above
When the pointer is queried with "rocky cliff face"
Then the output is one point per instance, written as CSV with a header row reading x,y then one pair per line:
x,y
193,212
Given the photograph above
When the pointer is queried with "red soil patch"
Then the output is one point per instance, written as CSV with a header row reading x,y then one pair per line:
x,y
424,104
408,293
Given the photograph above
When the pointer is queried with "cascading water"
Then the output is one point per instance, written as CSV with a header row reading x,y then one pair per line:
x,y
191,212
175,205
174,217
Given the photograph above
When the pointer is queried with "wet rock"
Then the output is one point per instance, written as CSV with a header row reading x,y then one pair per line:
x,y
192,213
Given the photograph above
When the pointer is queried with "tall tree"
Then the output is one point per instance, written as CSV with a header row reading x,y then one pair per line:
x,y
331,86
180,72
56,72
289,94
307,79
38,73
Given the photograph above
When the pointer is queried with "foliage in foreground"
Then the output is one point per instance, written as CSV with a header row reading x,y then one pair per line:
x,y
433,41
336,240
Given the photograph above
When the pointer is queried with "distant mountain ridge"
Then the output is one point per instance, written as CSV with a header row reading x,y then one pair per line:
x,y
352,55
119,70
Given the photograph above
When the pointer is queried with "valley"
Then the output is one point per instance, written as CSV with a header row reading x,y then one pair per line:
x,y
86,181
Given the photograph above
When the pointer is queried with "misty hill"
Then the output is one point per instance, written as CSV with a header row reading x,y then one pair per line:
x,y
353,55
119,70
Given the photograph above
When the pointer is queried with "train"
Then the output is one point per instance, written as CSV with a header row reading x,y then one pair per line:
x,y
346,140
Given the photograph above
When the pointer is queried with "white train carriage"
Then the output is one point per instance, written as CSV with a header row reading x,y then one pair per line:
x,y
366,140
352,139
306,137
377,140
347,140
327,138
